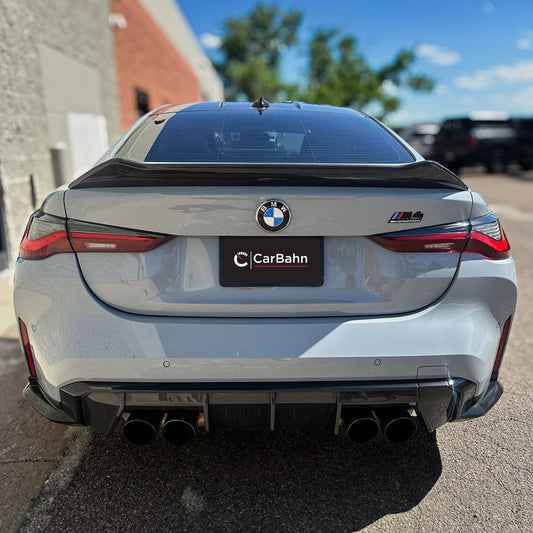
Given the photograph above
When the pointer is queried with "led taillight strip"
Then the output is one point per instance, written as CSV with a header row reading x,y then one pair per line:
x,y
486,246
64,242
441,243
460,242
53,243
101,242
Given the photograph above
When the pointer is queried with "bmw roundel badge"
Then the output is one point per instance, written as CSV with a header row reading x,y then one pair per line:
x,y
273,215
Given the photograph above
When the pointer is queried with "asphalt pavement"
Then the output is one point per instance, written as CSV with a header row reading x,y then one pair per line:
x,y
468,477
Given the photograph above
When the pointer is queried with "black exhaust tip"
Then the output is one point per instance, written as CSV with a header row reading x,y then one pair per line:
x,y
180,427
398,425
141,427
362,426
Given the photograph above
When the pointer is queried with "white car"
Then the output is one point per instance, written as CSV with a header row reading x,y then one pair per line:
x,y
264,265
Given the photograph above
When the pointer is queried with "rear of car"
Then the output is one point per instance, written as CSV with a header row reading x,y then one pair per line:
x,y
282,266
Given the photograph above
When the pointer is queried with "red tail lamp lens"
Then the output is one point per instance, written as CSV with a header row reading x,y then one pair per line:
x,y
441,243
101,242
488,247
44,236
484,237
47,235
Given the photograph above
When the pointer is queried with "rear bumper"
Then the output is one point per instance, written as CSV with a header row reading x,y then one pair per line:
x,y
264,405
76,338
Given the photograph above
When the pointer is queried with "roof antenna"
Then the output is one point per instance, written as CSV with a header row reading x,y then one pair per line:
x,y
261,105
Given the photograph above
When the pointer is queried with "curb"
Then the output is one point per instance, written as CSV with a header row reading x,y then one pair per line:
x,y
8,322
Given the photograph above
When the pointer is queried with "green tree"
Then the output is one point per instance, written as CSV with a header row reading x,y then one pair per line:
x,y
338,73
252,48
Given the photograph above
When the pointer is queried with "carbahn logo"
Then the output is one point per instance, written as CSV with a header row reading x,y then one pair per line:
x,y
240,259
270,260
406,216
273,215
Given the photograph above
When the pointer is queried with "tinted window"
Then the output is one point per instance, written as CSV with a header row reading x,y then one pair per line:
x,y
491,123
276,137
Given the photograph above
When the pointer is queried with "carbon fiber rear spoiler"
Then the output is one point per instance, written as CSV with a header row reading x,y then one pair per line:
x,y
124,173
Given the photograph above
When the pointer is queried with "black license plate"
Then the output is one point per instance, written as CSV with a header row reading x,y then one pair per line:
x,y
271,261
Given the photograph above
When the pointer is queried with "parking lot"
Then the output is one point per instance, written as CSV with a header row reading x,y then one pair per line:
x,y
475,476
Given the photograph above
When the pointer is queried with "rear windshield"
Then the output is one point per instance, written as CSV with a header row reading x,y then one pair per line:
x,y
244,136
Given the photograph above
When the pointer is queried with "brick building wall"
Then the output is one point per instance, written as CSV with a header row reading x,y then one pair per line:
x,y
48,50
148,64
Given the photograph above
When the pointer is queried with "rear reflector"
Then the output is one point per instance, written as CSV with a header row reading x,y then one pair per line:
x,y
27,347
47,235
501,346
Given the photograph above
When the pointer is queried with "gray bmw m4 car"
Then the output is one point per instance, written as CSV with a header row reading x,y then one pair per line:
x,y
230,265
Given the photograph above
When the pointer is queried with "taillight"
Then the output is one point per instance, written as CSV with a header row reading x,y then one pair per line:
x,y
27,347
501,347
488,239
47,235
449,238
484,236
471,142
86,237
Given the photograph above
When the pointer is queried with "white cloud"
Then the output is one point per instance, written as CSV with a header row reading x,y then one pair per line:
x,y
468,100
488,8
524,43
519,102
438,55
210,40
521,72
389,88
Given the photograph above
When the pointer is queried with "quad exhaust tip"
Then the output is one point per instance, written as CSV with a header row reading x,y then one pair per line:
x,y
362,426
398,425
180,427
142,427
365,425
177,427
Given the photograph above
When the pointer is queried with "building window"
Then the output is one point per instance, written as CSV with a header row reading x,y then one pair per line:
x,y
141,99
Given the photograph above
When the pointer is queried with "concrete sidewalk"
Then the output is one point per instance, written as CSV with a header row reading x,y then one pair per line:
x,y
8,323
31,447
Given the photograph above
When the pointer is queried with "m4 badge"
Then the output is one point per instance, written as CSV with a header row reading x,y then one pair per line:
x,y
406,216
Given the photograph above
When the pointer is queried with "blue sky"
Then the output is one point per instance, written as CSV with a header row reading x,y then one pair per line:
x,y
479,52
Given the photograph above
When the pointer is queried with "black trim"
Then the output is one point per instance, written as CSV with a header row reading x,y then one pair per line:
x,y
80,388
34,396
436,401
124,173
484,404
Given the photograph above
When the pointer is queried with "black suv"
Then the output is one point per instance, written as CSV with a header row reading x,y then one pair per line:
x,y
485,139
523,145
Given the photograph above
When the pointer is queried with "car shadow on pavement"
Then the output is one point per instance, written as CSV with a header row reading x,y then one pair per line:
x,y
246,481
